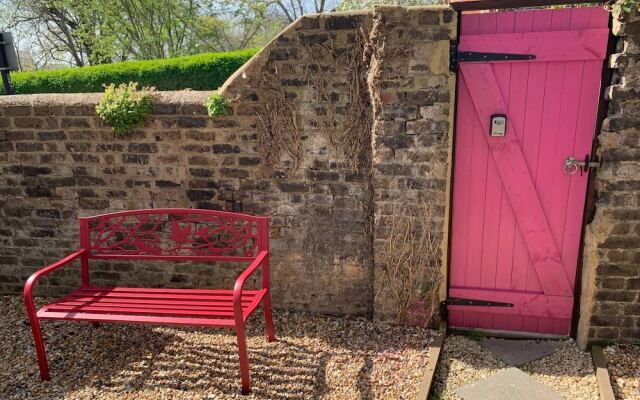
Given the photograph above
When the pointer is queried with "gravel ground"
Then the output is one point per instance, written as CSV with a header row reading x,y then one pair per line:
x,y
315,357
463,360
624,368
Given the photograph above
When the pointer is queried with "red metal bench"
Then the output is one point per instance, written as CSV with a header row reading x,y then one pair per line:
x,y
171,235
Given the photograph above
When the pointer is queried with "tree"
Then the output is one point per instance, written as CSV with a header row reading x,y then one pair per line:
x,y
65,30
292,9
367,4
150,29
230,25
88,32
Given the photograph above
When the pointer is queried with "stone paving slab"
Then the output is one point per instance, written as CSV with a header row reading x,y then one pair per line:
x,y
518,352
508,384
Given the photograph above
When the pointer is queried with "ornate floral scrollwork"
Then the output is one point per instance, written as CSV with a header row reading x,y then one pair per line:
x,y
166,234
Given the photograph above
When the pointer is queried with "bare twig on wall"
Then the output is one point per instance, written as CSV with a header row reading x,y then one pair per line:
x,y
279,132
349,133
410,259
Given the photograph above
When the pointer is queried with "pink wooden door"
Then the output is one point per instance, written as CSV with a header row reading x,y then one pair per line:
x,y
517,216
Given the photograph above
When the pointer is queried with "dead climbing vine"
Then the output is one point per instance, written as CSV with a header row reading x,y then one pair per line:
x,y
278,129
347,128
410,258
346,125
358,125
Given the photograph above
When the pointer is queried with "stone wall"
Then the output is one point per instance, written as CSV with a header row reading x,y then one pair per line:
x,y
610,302
58,161
412,91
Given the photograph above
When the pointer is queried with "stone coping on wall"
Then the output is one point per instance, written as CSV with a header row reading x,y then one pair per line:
x,y
70,99
256,63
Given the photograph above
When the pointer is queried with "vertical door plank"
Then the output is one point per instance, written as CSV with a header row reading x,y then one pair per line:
x,y
492,188
580,18
505,24
528,137
469,24
530,324
456,318
564,146
462,179
599,17
479,184
517,104
461,186
560,21
537,79
489,24
479,154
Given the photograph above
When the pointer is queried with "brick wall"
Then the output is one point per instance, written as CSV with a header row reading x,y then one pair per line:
x,y
610,303
58,161
413,98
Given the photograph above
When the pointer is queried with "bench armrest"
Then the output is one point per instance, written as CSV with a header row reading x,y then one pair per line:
x,y
28,287
260,260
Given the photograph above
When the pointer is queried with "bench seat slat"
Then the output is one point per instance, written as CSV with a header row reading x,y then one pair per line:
x,y
109,304
139,319
140,304
213,292
138,310
160,296
154,301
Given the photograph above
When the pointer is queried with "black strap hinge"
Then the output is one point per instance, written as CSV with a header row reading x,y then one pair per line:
x,y
453,56
456,57
459,301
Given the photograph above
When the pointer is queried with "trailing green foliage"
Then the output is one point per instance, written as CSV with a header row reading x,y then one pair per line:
x,y
627,5
475,335
200,72
124,107
217,105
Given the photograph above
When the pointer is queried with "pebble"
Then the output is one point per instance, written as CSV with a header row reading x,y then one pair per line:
x,y
315,357
623,362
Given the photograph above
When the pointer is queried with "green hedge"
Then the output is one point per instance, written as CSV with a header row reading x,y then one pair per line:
x,y
199,72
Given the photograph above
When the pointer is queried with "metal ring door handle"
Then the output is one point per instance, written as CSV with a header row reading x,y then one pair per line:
x,y
570,166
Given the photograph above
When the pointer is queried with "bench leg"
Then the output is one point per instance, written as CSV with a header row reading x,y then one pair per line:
x,y
244,359
268,318
37,338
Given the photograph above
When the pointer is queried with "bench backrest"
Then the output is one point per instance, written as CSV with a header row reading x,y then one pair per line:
x,y
175,234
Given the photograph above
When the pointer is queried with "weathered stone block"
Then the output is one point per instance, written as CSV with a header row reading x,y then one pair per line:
x,y
52,135
199,195
76,123
429,18
143,148
342,22
135,158
16,111
192,122
234,173
28,147
18,135
308,23
224,149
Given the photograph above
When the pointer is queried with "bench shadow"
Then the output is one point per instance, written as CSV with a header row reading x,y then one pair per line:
x,y
124,359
